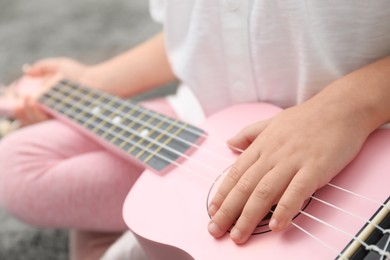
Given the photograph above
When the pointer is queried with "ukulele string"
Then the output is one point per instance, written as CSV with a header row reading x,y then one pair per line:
x,y
152,114
162,157
359,195
353,237
178,165
351,214
318,240
384,231
146,138
343,189
375,248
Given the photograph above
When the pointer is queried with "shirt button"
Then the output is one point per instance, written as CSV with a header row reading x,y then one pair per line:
x,y
232,5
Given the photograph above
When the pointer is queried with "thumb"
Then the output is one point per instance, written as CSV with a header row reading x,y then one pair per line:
x,y
246,136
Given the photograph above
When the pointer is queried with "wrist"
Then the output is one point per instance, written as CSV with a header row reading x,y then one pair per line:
x,y
351,107
95,76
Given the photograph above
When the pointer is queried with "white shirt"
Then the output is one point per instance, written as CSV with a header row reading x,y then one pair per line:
x,y
277,51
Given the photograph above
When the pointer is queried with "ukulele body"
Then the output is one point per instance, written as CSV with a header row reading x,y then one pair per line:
x,y
168,212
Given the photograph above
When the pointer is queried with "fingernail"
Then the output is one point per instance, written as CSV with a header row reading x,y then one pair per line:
x,y
236,234
212,209
273,224
26,67
214,229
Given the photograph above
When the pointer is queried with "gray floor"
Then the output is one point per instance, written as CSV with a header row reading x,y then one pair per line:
x,y
88,30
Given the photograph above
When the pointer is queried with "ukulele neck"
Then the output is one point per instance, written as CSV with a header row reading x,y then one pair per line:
x,y
156,140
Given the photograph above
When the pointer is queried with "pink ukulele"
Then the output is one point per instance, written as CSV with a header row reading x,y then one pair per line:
x,y
167,207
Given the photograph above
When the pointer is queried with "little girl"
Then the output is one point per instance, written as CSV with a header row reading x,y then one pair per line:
x,y
327,64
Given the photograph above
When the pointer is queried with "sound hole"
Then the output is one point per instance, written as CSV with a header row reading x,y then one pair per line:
x,y
262,227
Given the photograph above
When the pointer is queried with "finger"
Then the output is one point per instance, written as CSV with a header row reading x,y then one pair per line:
x,y
42,67
20,114
39,115
301,187
235,201
35,113
27,119
244,138
266,193
49,82
244,161
32,113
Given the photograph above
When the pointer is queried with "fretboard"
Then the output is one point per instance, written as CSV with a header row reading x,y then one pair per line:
x,y
154,139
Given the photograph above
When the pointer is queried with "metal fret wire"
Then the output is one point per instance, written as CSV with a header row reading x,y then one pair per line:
x,y
174,122
146,138
304,213
103,128
133,122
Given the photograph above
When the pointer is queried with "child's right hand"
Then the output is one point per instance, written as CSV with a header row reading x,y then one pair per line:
x,y
48,69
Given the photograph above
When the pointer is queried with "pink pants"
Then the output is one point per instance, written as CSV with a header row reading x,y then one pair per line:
x,y
52,176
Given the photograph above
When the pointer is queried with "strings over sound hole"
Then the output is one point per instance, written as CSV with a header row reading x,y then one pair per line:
x,y
262,227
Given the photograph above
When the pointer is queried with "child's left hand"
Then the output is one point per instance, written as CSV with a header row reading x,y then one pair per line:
x,y
286,159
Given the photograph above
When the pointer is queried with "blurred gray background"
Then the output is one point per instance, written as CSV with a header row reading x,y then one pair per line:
x,y
88,30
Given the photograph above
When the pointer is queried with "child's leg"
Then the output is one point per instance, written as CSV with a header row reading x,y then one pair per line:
x,y
52,176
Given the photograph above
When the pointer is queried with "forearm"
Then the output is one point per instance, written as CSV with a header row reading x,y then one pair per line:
x,y
361,98
140,69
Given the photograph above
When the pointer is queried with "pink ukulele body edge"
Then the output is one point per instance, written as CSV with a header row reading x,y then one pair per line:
x,y
170,209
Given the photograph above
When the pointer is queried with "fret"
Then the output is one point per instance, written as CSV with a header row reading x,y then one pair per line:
x,y
122,131
78,111
154,139
115,120
92,104
144,131
127,122
133,135
110,127
60,105
117,142
92,108
161,147
62,99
